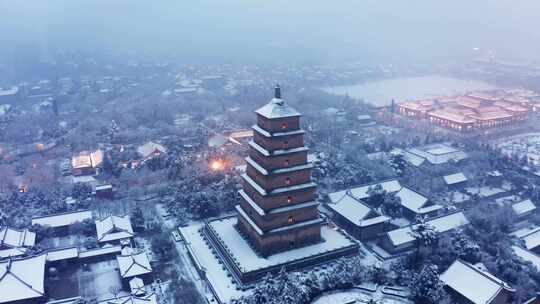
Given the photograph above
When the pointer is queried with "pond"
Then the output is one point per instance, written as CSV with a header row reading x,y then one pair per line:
x,y
382,92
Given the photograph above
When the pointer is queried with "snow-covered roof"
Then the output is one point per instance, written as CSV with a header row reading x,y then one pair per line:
x,y
411,199
355,211
114,228
99,251
133,264
136,285
62,254
62,219
13,252
434,154
87,159
150,148
532,239
390,186
248,260
527,256
524,207
440,224
277,108
455,178
13,238
22,279
132,299
478,286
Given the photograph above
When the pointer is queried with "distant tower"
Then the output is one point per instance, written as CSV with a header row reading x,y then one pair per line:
x,y
278,210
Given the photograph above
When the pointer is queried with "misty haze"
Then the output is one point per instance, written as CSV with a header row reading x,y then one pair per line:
x,y
269,152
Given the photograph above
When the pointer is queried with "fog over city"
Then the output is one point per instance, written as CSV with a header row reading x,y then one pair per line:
x,y
271,31
269,152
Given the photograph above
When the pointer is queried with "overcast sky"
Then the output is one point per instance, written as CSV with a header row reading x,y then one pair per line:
x,y
274,30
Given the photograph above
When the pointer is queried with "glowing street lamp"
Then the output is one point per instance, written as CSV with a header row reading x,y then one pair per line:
x,y
216,165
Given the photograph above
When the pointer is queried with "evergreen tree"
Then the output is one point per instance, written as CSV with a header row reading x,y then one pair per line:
x,y
426,287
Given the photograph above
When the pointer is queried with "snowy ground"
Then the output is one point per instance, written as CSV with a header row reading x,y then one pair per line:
x,y
357,296
250,261
215,272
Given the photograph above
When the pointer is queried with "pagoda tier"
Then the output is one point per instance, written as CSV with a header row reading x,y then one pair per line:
x,y
278,209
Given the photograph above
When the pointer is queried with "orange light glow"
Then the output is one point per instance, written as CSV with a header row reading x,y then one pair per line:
x,y
217,165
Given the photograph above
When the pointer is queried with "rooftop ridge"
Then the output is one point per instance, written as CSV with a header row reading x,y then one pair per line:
x,y
487,275
62,213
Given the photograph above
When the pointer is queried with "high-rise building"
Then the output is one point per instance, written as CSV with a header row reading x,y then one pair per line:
x,y
278,209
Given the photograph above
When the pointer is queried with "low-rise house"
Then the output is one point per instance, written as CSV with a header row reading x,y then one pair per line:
x,y
86,163
361,192
15,242
471,284
134,264
531,240
62,255
355,216
455,181
114,229
150,150
136,286
404,239
22,280
415,204
132,299
432,155
60,222
524,209
105,191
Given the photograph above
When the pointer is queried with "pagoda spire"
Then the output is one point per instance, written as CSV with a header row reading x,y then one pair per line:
x,y
277,91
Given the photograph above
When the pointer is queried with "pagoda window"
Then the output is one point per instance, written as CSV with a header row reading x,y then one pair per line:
x,y
285,144
290,219
289,199
287,181
284,126
287,162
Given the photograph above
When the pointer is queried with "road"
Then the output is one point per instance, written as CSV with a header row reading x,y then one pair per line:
x,y
183,262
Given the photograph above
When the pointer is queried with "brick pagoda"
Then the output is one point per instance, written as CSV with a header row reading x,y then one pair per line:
x,y
278,209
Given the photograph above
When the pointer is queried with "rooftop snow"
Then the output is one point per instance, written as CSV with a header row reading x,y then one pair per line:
x,y
355,211
62,219
474,284
523,207
440,224
114,228
100,251
532,239
62,254
411,199
390,186
435,154
527,256
265,133
22,279
149,148
10,237
277,108
133,264
248,260
456,178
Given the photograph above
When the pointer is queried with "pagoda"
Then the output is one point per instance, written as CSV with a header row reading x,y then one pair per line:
x,y
278,209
